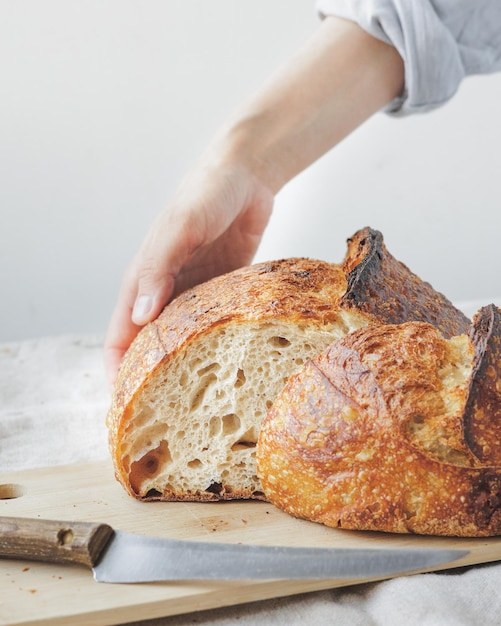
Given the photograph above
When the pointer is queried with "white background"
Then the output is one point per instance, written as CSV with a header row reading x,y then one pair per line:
x,y
105,104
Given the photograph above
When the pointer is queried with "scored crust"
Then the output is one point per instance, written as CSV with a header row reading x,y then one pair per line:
x,y
392,429
194,387
385,288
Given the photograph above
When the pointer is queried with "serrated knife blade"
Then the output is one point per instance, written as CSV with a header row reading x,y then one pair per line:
x,y
121,557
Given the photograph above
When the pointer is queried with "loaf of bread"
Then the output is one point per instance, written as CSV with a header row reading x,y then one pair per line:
x,y
195,385
392,428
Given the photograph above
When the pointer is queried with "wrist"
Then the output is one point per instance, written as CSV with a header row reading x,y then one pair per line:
x,y
254,143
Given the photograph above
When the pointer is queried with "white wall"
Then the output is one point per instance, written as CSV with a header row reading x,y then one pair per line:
x,y
105,104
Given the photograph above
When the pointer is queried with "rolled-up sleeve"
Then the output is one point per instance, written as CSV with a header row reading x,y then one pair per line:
x,y
440,41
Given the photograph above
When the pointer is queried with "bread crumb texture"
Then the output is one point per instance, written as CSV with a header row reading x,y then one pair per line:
x,y
196,384
392,428
198,420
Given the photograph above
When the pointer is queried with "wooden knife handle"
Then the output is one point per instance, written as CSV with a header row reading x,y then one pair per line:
x,y
78,543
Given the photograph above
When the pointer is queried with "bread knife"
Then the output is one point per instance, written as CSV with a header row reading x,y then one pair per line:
x,y
121,557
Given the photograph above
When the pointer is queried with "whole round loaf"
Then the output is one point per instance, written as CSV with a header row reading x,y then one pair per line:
x,y
392,428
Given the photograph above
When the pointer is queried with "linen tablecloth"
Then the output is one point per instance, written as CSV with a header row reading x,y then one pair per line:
x,y
54,400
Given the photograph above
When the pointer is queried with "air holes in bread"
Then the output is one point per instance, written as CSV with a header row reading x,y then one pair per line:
x,y
279,342
149,465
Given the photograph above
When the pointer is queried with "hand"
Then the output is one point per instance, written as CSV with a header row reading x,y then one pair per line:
x,y
216,220
213,225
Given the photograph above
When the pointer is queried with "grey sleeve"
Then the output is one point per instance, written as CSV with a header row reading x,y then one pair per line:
x,y
440,41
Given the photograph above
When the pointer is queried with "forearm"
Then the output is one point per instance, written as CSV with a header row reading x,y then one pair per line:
x,y
215,221
337,80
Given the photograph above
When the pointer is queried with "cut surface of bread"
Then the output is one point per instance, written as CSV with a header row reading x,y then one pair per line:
x,y
225,384
195,385
392,428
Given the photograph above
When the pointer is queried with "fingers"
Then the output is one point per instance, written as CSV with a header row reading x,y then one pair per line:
x,y
143,294
213,225
172,239
112,360
159,260
147,286
121,328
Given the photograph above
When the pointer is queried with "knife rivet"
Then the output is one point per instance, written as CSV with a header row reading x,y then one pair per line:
x,y
64,536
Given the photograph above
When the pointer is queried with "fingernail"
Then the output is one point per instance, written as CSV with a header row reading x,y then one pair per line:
x,y
142,307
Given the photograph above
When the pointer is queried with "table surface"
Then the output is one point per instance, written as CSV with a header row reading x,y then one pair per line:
x,y
54,400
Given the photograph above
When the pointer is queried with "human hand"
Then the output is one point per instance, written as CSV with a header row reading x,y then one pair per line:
x,y
216,220
213,225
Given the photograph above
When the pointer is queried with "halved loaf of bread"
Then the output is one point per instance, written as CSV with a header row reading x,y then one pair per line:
x,y
392,428
195,385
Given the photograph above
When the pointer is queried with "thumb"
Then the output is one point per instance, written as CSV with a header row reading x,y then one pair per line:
x,y
174,237
144,308
154,289
157,264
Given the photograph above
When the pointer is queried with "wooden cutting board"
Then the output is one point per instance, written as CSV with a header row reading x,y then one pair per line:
x,y
53,594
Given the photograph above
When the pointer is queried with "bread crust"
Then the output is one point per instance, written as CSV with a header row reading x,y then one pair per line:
x,y
291,289
380,285
371,287
373,435
482,417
